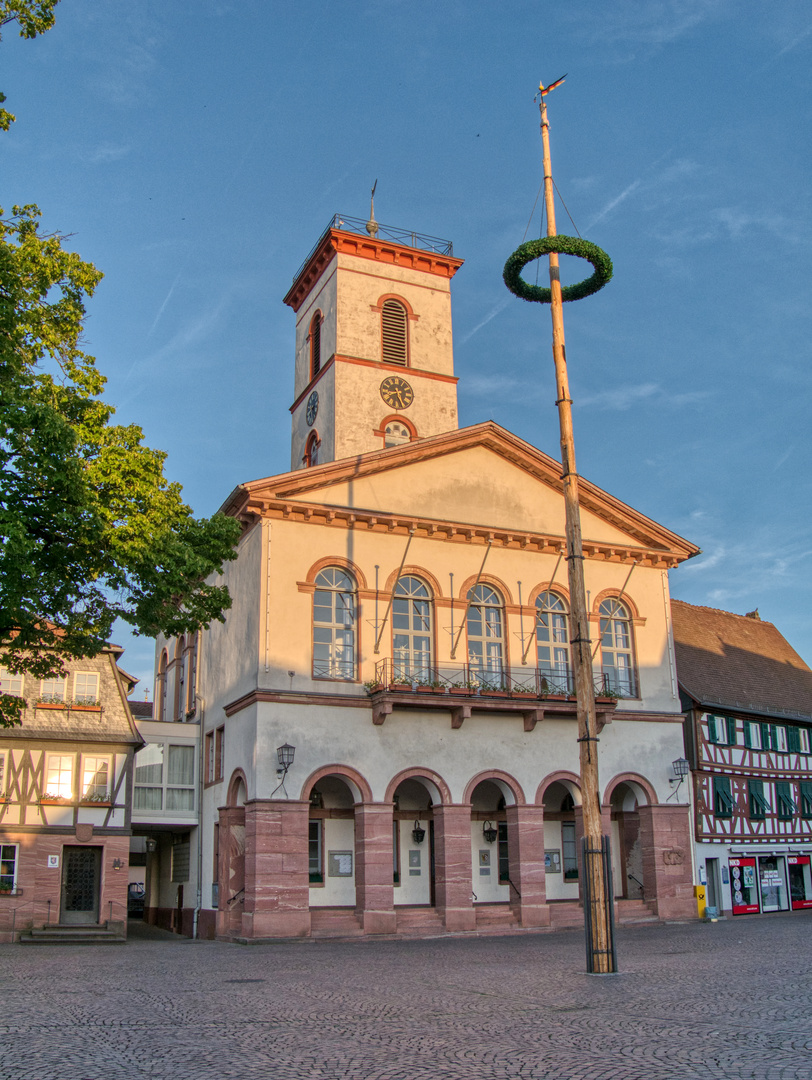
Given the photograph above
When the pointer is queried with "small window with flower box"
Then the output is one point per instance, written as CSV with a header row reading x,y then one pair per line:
x,y
86,688
95,779
52,691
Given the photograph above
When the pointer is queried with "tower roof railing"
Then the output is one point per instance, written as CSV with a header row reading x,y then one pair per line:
x,y
407,237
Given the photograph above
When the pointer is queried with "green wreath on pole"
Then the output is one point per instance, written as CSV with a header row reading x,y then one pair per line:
x,y
563,245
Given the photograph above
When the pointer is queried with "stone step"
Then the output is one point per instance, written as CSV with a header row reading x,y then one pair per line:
x,y
493,917
334,922
567,915
419,921
58,934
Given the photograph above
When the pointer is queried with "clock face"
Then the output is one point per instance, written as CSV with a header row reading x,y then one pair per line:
x,y
312,408
396,392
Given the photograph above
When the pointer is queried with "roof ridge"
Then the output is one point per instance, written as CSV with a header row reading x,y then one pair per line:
x,y
722,611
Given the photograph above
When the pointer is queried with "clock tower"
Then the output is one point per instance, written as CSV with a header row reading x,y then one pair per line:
x,y
374,357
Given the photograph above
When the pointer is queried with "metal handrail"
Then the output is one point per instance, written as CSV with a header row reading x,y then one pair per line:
x,y
417,674
406,237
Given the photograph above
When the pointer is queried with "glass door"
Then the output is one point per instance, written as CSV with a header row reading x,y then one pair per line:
x,y
743,886
81,875
772,883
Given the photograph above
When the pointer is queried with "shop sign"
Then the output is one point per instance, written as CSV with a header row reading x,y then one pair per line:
x,y
743,886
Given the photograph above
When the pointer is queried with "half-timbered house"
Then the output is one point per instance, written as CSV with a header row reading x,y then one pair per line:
x,y
748,701
65,798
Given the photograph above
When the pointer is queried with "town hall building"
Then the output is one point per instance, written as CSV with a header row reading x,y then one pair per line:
x,y
387,715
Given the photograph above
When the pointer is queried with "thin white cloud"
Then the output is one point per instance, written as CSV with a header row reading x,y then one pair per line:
x,y
624,398
618,199
794,43
654,23
162,308
104,154
500,307
490,385
652,182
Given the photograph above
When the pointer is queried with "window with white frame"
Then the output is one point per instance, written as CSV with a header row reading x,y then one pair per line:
x,y
10,683
164,778
8,868
752,735
485,636
552,642
2,773
411,630
722,730
334,625
86,688
617,656
59,776
180,778
95,778
53,690
314,852
148,790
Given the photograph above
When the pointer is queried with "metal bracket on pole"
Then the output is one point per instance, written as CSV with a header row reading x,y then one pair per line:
x,y
377,648
470,601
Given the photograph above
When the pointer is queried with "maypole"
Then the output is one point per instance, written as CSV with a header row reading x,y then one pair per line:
x,y
597,880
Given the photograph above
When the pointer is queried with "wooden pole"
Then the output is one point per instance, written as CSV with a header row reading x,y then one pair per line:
x,y
597,912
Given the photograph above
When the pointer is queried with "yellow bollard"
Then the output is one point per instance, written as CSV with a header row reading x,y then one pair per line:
x,y
699,893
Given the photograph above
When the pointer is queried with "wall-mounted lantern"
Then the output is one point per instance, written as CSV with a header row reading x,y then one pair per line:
x,y
489,832
418,833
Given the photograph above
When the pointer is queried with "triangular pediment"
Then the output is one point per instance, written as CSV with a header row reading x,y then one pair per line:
x,y
481,478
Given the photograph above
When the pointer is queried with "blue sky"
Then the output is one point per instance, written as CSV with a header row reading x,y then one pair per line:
x,y
196,152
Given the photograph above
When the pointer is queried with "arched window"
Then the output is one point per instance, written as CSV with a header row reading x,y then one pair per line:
x,y
486,636
411,630
553,643
315,345
617,655
334,625
191,675
161,689
395,434
180,678
312,450
394,335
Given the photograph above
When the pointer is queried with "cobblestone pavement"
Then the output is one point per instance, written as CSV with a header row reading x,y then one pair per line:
x,y
729,1000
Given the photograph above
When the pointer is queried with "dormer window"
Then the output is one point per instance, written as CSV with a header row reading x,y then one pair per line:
x,y
315,345
394,341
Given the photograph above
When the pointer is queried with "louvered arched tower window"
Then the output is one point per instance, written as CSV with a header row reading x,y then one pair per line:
x,y
394,335
315,345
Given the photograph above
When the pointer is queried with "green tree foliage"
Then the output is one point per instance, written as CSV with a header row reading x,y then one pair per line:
x,y
90,529
33,17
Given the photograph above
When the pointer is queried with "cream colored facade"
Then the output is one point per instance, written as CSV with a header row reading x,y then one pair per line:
x,y
430,702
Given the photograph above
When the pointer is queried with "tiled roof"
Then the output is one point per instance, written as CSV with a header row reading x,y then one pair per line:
x,y
141,710
738,661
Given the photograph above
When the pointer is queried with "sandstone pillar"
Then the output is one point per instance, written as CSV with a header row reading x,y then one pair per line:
x,y
528,899
231,871
452,866
665,840
277,898
374,861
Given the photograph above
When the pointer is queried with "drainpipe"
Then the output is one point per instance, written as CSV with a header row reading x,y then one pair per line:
x,y
201,706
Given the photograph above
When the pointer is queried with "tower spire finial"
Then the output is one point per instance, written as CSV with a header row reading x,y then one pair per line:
x,y
372,224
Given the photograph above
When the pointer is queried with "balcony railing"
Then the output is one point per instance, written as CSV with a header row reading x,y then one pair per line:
x,y
406,237
405,675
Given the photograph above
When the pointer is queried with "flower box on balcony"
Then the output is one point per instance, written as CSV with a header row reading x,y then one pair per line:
x,y
51,800
400,686
494,693
94,802
524,694
51,705
85,708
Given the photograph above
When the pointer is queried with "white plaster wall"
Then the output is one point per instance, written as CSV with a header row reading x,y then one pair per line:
x,y
557,888
360,409
362,282
339,835
486,887
322,298
415,881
